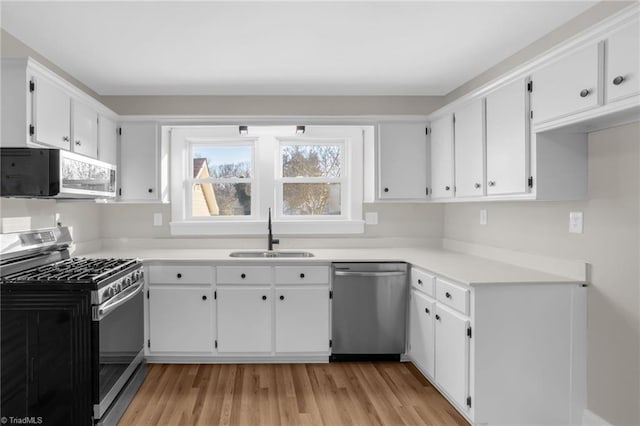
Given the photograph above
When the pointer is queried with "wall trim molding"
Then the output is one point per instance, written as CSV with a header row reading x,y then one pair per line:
x,y
575,269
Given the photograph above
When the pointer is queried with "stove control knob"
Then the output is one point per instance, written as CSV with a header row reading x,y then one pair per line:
x,y
118,288
127,282
105,294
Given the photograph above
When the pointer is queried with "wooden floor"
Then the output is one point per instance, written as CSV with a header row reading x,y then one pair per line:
x,y
349,393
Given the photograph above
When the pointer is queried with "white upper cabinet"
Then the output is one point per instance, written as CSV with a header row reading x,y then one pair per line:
x,y
623,63
507,121
51,114
402,147
442,157
107,140
567,86
469,149
84,132
139,162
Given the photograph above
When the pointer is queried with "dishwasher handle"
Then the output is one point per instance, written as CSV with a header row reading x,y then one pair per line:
x,y
369,274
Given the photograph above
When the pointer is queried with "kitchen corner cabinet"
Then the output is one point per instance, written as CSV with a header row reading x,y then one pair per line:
x,y
479,344
569,85
469,138
402,147
41,109
442,166
508,139
139,162
623,63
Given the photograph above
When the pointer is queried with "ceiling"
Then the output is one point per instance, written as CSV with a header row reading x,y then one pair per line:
x,y
281,48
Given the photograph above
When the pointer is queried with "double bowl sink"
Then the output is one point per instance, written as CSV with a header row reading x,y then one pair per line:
x,y
270,254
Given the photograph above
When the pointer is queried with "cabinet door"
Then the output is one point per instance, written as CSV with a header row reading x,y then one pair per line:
x,y
623,63
469,149
244,319
507,112
422,332
107,140
139,162
302,319
452,354
442,157
51,114
402,147
84,132
567,86
181,319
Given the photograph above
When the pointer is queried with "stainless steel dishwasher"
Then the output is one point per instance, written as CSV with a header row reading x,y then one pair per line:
x,y
369,310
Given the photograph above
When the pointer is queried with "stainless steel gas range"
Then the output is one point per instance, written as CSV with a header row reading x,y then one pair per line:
x,y
72,331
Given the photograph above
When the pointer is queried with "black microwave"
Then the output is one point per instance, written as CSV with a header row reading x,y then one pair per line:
x,y
54,173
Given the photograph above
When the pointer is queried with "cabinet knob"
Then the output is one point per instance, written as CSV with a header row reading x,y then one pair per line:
x,y
438,317
302,275
243,276
150,190
78,143
618,80
427,310
204,297
492,183
386,190
447,295
65,138
584,93
179,275
420,282
281,297
476,186
446,188
264,297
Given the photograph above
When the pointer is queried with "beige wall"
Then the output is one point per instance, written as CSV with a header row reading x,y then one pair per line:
x,y
610,244
580,23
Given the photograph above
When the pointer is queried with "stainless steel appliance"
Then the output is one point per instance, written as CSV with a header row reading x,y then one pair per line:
x,y
72,331
369,310
39,172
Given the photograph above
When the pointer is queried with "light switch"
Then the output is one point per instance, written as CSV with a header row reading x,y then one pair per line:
x,y
157,219
575,222
371,218
483,216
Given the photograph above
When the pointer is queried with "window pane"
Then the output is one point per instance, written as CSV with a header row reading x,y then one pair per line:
x,y
311,161
311,199
222,161
221,199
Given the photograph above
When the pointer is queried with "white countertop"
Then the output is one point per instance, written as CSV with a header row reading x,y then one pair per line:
x,y
463,268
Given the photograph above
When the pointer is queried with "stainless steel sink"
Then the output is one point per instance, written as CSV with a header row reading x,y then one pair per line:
x,y
267,253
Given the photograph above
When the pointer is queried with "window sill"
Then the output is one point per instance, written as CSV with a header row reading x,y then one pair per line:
x,y
260,227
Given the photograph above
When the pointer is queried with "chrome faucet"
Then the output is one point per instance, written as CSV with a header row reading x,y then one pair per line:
x,y
270,240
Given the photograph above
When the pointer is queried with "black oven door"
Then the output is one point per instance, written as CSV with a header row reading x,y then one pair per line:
x,y
118,328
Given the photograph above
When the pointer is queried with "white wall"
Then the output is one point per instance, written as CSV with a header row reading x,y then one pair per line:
x,y
610,243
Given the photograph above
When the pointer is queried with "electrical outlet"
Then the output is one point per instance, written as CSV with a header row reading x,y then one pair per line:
x,y
157,219
575,222
483,216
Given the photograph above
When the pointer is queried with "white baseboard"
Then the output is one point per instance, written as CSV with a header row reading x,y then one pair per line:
x,y
591,419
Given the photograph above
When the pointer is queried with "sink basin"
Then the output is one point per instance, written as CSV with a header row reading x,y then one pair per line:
x,y
267,253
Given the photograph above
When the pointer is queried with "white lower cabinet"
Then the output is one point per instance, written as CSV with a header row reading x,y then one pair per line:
x,y
181,318
503,353
244,319
302,319
422,311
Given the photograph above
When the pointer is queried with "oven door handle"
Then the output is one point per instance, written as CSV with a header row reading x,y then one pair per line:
x,y
105,309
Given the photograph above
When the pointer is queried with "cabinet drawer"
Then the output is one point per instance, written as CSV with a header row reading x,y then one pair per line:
x,y
302,275
176,274
423,281
452,295
243,274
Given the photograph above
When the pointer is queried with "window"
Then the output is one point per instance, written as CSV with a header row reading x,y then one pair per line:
x,y
223,183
